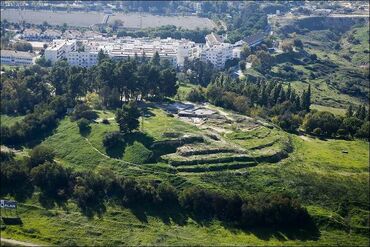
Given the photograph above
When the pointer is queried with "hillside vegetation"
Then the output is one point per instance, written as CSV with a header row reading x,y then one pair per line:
x,y
311,173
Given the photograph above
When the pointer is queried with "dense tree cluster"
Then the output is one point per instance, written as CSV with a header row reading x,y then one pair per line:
x,y
164,32
243,96
22,46
248,20
133,79
91,190
35,125
199,72
353,124
46,96
270,211
21,89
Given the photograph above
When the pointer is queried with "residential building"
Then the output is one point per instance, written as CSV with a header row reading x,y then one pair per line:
x,y
58,49
17,57
51,34
83,52
83,59
169,49
217,54
31,34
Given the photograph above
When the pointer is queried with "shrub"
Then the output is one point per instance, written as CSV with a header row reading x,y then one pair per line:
x,y
195,95
274,211
83,124
363,132
40,154
317,131
113,139
105,121
128,118
137,153
326,121
83,111
52,179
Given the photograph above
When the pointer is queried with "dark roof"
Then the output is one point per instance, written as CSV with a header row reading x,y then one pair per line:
x,y
255,38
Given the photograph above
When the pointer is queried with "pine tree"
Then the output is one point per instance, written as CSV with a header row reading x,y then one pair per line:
x,y
282,96
361,112
289,92
349,112
155,59
308,98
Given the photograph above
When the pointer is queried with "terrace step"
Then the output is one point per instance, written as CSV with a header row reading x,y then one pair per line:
x,y
190,150
215,167
175,160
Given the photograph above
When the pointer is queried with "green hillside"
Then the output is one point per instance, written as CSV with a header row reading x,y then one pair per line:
x,y
312,172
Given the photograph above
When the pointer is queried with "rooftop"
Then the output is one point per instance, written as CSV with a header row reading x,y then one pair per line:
x,y
213,39
12,53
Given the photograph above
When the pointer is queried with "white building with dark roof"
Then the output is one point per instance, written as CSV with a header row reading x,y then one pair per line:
x,y
51,34
32,34
17,57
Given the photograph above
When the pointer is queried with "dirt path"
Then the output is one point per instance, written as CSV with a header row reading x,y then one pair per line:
x,y
12,242
305,138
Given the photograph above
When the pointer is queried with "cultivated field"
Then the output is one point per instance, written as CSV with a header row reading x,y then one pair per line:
x,y
85,19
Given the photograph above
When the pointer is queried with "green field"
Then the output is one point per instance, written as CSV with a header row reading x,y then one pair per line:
x,y
317,172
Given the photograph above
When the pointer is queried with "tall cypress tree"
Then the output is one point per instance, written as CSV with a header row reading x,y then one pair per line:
x,y
349,112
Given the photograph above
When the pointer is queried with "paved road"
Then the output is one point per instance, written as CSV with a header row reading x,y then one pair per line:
x,y
12,242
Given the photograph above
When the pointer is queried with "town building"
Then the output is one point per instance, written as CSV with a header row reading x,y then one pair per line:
x,y
59,49
83,52
175,51
51,34
217,51
31,34
17,57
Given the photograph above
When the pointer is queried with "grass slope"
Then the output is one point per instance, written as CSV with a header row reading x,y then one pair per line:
x,y
317,172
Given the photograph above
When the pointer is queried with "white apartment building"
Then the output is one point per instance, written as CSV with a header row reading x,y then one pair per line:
x,y
17,57
59,49
172,50
83,59
85,52
217,54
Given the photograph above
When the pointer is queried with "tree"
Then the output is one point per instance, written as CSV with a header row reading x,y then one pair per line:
x,y
195,95
168,80
364,131
242,65
155,59
59,76
349,112
361,112
40,154
326,121
23,46
128,118
75,83
83,125
52,179
102,56
351,125
306,99
245,52
298,43
113,139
